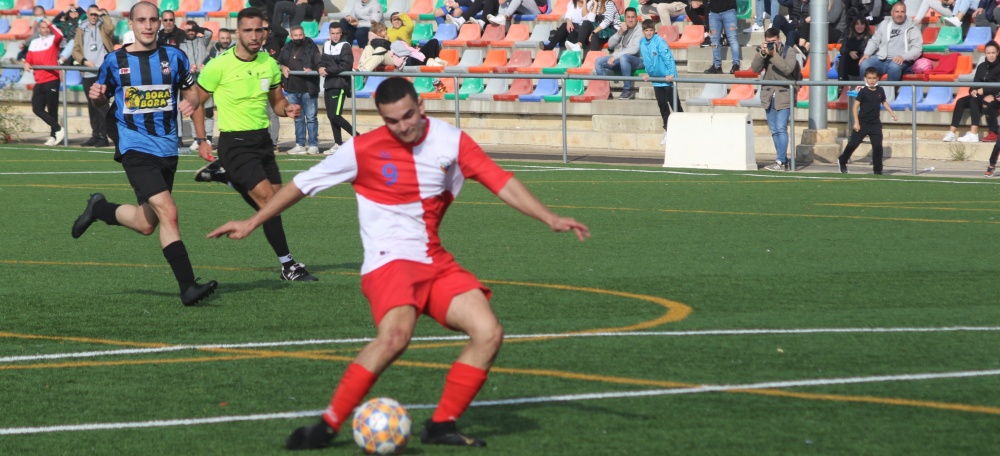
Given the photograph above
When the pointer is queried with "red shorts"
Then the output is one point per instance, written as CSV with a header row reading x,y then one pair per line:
x,y
428,287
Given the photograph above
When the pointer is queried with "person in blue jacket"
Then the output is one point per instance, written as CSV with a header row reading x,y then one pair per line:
x,y
661,68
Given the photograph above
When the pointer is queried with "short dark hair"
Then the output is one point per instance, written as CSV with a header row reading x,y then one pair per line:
x,y
871,70
632,10
225,30
248,13
394,89
649,24
167,11
772,32
334,25
992,43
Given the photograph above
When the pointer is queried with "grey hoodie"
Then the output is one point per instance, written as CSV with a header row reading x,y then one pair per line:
x,y
892,39
628,44
366,12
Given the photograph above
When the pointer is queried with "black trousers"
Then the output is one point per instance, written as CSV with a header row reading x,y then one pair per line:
x,y
334,99
297,13
977,108
580,34
873,130
358,33
664,98
97,115
45,104
485,6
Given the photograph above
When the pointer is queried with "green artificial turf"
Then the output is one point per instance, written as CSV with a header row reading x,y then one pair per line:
x,y
687,275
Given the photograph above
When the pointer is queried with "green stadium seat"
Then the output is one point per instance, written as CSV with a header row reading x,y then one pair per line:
x,y
121,28
574,87
946,37
422,32
744,9
172,5
311,29
469,86
568,59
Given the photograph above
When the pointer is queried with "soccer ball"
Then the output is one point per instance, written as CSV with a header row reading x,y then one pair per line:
x,y
381,426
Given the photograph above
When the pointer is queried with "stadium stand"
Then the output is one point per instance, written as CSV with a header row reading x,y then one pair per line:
x,y
708,93
422,33
950,107
596,90
449,87
446,32
753,102
574,87
544,88
369,88
470,86
493,87
467,33
470,58
904,98
737,93
516,33
517,88
691,36
935,97
520,58
567,60
947,37
494,58
543,59
228,7
587,67
492,33
20,29
539,33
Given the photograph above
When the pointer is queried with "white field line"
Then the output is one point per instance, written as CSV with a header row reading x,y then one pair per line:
x,y
514,401
717,332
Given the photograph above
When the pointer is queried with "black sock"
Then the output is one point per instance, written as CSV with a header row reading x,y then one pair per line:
x,y
274,231
176,254
105,211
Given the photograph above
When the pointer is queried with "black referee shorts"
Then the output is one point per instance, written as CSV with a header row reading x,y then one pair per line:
x,y
248,157
149,174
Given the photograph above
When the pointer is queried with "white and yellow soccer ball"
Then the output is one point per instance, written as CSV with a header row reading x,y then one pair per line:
x,y
381,426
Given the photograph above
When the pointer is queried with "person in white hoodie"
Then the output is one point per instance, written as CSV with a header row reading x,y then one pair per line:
x,y
894,47
359,20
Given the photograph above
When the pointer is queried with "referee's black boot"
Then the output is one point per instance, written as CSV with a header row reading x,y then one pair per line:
x,y
87,217
447,433
212,172
312,437
195,293
90,142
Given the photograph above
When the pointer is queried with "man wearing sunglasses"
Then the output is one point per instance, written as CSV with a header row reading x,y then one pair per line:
x,y
170,34
94,40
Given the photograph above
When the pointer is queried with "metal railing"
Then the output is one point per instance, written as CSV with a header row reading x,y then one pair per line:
x,y
792,85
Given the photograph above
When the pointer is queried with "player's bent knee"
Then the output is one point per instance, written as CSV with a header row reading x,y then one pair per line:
x,y
394,341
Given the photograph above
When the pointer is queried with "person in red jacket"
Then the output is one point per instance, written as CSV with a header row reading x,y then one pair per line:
x,y
44,51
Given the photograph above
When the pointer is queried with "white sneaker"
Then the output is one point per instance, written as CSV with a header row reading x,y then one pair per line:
x,y
754,28
51,141
312,150
953,21
969,137
193,146
575,47
297,150
499,19
663,142
458,21
482,23
331,150
60,136
950,137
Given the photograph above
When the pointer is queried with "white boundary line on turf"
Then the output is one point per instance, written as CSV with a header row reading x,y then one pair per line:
x,y
515,401
717,332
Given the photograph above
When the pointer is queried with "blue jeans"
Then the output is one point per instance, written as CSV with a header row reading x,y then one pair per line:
x,y
777,121
760,11
894,70
717,23
626,64
306,121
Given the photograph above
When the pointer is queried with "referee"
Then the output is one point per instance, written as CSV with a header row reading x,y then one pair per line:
x,y
243,81
145,79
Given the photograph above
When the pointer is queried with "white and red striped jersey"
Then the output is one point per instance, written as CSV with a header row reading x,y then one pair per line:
x,y
404,190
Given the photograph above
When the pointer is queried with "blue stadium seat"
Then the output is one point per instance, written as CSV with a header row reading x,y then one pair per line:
x,y
446,32
10,76
832,74
935,96
370,85
544,88
324,33
976,37
904,99
73,78
4,25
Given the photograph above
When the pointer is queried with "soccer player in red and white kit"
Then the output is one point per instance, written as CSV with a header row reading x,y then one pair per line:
x,y
405,176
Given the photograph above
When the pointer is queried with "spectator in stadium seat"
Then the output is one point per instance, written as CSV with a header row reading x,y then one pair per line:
x,y
170,33
852,47
625,57
954,12
291,13
302,54
508,8
778,63
359,19
981,100
607,21
94,40
722,19
376,53
894,46
402,30
796,26
44,51
574,32
659,63
871,10
666,10
68,21
451,12
698,15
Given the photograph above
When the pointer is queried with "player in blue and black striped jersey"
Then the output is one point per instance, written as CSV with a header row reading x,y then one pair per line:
x,y
146,79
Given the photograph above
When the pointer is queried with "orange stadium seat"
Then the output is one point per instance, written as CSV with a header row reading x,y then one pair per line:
x,y
492,33
214,27
109,5
557,11
950,107
841,101
188,6
596,90
494,58
669,33
449,87
23,5
963,66
693,36
467,33
587,67
930,34
521,58
60,6
516,32
357,56
19,29
543,59
421,7
228,6
518,88
736,94
448,55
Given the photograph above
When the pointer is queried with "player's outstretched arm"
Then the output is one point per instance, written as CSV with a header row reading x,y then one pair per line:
x,y
239,229
516,195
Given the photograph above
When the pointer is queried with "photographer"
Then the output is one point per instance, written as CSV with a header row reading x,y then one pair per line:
x,y
778,63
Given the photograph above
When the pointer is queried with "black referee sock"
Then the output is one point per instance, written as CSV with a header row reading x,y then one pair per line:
x,y
105,211
274,231
176,254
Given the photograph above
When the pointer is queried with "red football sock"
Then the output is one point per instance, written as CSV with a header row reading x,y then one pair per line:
x,y
461,385
353,387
